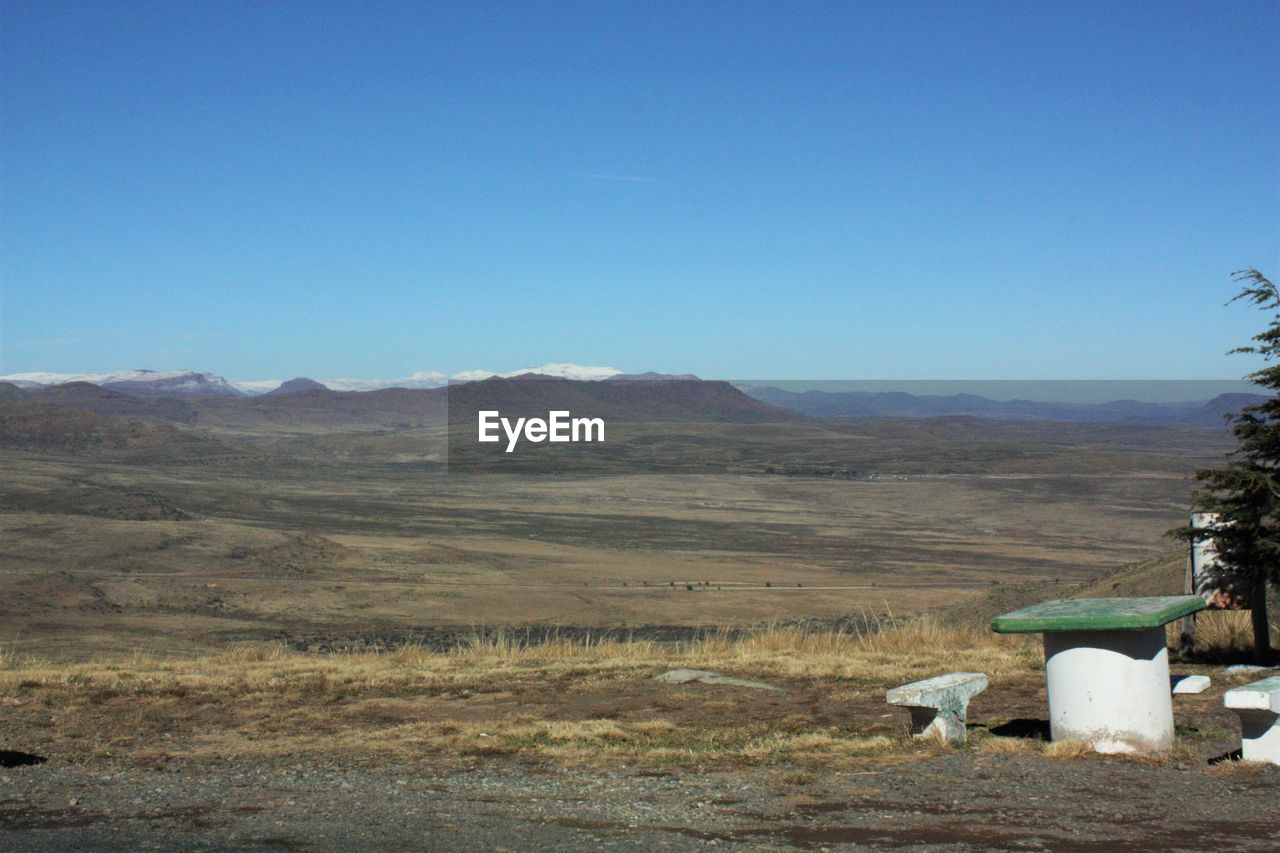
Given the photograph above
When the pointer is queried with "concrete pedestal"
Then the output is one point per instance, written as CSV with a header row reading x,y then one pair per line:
x,y
1110,689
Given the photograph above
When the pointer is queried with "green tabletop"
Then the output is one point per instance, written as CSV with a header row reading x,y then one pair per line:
x,y
1097,614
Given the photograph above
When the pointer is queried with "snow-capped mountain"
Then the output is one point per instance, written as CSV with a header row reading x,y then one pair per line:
x,y
159,383
560,371
259,386
421,379
191,383
435,379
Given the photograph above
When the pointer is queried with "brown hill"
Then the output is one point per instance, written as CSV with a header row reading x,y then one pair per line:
x,y
635,401
651,426
50,428
322,410
1215,412
294,386
901,405
652,376
1162,575
10,393
87,397
304,411
638,401
402,401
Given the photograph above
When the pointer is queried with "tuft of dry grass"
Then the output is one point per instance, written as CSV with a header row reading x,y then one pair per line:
x,y
1239,768
1221,635
1067,749
1224,633
992,745
1070,749
1077,749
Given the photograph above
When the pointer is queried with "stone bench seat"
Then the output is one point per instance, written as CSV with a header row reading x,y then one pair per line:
x,y
939,705
1189,684
1258,705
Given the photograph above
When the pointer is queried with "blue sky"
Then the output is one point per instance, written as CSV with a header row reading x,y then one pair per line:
x,y
770,190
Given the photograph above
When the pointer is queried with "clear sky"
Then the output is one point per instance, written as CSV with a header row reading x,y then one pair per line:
x,y
789,189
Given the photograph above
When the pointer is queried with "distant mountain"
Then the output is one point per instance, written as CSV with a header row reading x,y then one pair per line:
x,y
87,397
879,404
569,371
189,396
181,385
313,409
409,402
626,401
293,386
818,404
432,379
1215,412
520,377
421,379
10,393
650,376
47,427
138,383
186,383
302,411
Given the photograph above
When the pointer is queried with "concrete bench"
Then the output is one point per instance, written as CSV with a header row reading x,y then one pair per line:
x,y
1258,705
1189,684
938,705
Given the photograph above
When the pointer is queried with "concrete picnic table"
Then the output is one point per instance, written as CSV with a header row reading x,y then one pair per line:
x,y
1107,667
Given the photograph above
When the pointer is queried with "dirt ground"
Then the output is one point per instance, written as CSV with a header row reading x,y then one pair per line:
x,y
962,800
1004,790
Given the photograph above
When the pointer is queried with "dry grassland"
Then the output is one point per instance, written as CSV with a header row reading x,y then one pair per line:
x,y
568,702
496,697
101,556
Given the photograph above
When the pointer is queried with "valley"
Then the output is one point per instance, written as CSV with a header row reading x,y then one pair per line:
x,y
182,536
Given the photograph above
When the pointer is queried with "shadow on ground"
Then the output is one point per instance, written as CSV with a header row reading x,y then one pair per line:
x,y
1023,727
14,758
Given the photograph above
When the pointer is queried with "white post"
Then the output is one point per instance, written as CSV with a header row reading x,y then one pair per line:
x,y
1203,553
1110,689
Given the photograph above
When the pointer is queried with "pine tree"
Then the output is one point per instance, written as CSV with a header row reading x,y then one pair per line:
x,y
1245,493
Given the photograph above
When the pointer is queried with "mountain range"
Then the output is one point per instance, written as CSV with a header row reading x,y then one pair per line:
x,y
307,408
190,383
185,397
140,383
890,404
